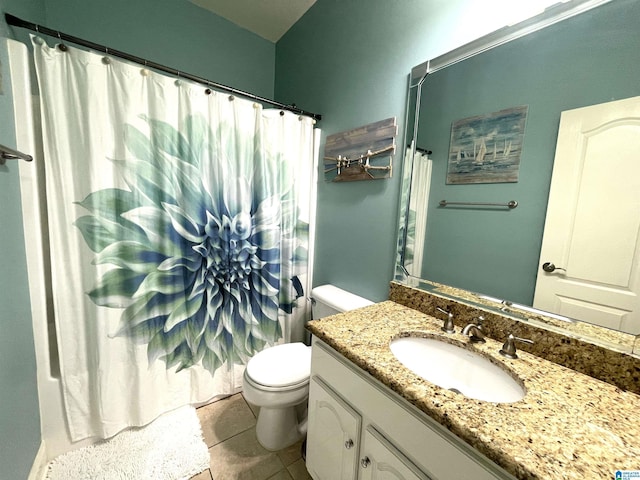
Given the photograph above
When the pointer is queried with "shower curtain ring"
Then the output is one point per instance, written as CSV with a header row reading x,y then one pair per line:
x,y
106,60
61,46
38,40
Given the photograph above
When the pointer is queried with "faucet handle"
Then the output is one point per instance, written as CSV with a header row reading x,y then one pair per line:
x,y
509,348
479,320
448,323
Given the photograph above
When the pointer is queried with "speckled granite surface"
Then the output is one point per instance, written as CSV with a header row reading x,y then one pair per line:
x,y
612,339
568,426
565,348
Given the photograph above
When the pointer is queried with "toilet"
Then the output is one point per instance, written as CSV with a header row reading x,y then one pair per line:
x,y
277,378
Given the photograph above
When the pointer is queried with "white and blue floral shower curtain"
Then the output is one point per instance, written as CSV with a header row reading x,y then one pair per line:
x,y
178,224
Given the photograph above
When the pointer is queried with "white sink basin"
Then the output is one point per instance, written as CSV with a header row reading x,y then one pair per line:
x,y
457,369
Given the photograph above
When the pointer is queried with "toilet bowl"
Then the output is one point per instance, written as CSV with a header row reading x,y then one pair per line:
x,y
277,378
277,381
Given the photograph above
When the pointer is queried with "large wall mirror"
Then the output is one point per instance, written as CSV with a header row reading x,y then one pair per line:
x,y
577,54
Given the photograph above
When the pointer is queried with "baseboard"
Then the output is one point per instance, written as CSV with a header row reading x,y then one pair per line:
x,y
39,467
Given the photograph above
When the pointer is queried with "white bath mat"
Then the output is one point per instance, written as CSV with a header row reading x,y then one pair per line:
x,y
169,448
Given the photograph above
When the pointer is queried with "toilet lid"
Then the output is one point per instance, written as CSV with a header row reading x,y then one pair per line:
x,y
281,366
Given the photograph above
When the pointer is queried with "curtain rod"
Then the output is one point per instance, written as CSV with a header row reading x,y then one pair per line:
x,y
18,22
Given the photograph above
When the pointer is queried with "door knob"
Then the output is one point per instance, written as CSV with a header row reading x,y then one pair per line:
x,y
550,267
365,462
348,444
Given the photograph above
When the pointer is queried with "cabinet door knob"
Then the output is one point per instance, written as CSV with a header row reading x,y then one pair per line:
x,y
348,444
365,462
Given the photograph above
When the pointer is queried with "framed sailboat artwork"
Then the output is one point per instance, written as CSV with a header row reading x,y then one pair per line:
x,y
487,148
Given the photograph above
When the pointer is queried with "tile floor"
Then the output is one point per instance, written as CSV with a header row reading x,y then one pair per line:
x,y
228,427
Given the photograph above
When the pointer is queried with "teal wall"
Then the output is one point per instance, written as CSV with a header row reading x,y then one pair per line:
x,y
19,414
173,32
583,61
349,61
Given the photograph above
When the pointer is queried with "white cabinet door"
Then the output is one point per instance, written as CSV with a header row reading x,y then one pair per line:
x,y
380,460
333,434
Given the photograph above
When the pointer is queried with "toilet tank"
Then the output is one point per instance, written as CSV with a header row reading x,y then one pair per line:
x,y
329,300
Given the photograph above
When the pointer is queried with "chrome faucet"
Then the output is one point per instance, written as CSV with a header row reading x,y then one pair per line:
x,y
448,323
474,331
509,348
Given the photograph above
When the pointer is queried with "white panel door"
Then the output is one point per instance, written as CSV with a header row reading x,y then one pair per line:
x,y
333,435
592,228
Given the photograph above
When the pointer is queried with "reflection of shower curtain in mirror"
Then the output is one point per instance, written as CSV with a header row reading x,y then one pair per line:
x,y
420,183
179,221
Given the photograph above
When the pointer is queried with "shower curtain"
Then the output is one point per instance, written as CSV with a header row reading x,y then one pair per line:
x,y
418,202
178,223
414,200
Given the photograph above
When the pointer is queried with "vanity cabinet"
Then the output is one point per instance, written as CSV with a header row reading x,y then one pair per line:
x,y
360,429
335,437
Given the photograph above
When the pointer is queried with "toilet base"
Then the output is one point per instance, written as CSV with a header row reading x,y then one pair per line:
x,y
277,428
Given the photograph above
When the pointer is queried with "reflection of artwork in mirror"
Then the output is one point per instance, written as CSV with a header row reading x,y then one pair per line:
x,y
487,148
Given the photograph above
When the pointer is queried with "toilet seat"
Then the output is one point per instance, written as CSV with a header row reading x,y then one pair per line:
x,y
267,388
283,367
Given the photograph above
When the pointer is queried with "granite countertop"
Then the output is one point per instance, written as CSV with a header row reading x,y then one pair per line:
x,y
568,426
